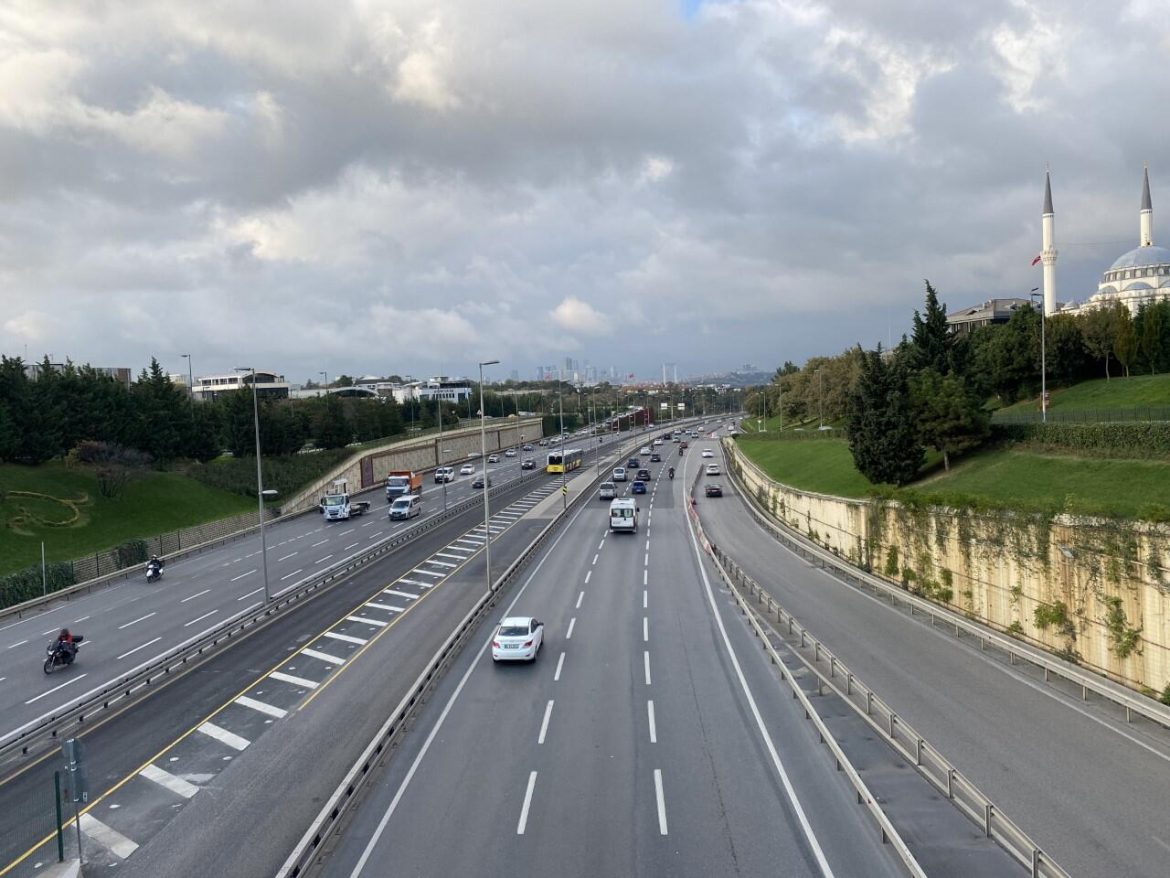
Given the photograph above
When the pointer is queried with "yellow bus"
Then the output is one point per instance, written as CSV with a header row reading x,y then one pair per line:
x,y
565,461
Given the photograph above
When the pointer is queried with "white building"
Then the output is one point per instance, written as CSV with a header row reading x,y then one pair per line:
x,y
267,384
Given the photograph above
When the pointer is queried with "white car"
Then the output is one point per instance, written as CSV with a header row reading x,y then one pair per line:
x,y
707,452
493,458
467,470
511,452
517,638
619,474
713,469
658,441
645,450
444,474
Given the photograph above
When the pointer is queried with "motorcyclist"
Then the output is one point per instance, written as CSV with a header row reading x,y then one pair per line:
x,y
155,563
67,643
670,472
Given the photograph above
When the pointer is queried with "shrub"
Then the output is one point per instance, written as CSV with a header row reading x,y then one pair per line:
x,y
286,474
26,584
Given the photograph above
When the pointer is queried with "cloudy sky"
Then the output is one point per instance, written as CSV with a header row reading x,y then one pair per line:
x,y
412,186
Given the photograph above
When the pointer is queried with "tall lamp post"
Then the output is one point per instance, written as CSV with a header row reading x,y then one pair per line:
x,y
1043,355
325,376
259,478
561,440
487,533
190,377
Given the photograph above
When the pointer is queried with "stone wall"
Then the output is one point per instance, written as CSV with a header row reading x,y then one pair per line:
x,y
1095,591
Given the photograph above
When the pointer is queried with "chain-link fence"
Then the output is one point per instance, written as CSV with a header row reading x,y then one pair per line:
x,y
1133,414
38,819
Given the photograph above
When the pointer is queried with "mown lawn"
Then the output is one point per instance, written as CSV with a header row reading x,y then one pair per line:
x,y
821,465
74,519
1132,392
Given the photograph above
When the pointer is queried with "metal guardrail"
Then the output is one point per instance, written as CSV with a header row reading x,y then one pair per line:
x,y
1128,700
347,794
894,730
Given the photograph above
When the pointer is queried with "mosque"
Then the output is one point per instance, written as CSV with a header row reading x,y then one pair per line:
x,y
1135,278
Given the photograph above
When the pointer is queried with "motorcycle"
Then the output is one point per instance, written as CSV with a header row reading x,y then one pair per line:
x,y
154,571
58,655
670,472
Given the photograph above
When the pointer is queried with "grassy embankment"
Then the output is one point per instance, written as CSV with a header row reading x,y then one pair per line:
x,y
1137,391
74,520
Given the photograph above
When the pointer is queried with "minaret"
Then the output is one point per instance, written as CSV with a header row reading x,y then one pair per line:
x,y
1146,234
1048,253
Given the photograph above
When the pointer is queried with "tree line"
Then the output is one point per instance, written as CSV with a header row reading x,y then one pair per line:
x,y
936,388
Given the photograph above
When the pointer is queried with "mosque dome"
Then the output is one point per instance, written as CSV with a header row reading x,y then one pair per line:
x,y
1140,257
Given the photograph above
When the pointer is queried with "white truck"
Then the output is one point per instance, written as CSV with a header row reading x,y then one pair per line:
x,y
337,505
623,515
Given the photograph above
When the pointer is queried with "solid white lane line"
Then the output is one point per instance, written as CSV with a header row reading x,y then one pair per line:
x,y
527,803
375,622
321,543
544,724
172,782
594,559
242,575
401,594
224,736
644,596
296,681
351,546
661,801
199,619
323,656
653,726
197,594
569,633
389,608
244,597
136,621
359,641
112,840
290,575
645,630
135,649
580,598
55,688
260,706
323,560
646,664
286,557
560,664
588,573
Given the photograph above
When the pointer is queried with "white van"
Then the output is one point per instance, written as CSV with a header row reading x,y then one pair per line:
x,y
607,491
407,506
623,515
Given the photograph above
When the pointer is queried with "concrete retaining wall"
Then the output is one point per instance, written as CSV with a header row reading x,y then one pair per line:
x,y
1000,567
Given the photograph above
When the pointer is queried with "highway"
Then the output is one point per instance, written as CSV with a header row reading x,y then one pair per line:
x,y
1089,789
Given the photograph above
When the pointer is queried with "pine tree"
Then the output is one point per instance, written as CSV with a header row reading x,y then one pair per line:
x,y
881,429
950,419
930,341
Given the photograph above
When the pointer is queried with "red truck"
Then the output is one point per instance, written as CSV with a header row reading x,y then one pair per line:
x,y
401,482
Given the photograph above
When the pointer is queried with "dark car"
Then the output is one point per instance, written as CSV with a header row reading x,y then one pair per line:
x,y
478,483
714,490
643,475
633,463
656,457
528,463
639,487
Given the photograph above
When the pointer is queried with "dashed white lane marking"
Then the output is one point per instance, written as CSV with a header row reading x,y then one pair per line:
x,y
646,664
224,736
544,724
321,543
644,596
83,618
446,564
595,559
661,801
55,688
646,560
323,656
645,630
645,577
21,643
244,597
242,575
197,594
560,664
345,637
112,840
569,633
135,649
428,572
389,608
136,621
653,727
647,543
296,681
527,803
415,582
268,709
323,560
375,536
377,623
172,782
367,524
286,557
580,598
290,575
449,555
351,546
344,532
601,545
588,573
401,594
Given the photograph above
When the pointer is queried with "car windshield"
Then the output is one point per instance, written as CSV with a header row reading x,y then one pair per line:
x,y
400,504
335,500
513,630
397,481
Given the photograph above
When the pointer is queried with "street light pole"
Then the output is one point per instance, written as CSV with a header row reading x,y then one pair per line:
x,y
190,377
487,532
1043,358
259,478
821,396
561,440
325,375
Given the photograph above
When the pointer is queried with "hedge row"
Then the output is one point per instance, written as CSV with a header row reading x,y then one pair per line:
x,y
26,584
1132,440
286,474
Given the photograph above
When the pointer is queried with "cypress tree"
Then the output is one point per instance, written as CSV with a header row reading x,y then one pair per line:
x,y
882,434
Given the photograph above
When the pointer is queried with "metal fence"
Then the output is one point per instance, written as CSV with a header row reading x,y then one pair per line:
x,y
1133,414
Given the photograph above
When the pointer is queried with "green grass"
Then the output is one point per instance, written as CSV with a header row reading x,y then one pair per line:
x,y
1132,392
824,466
156,503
